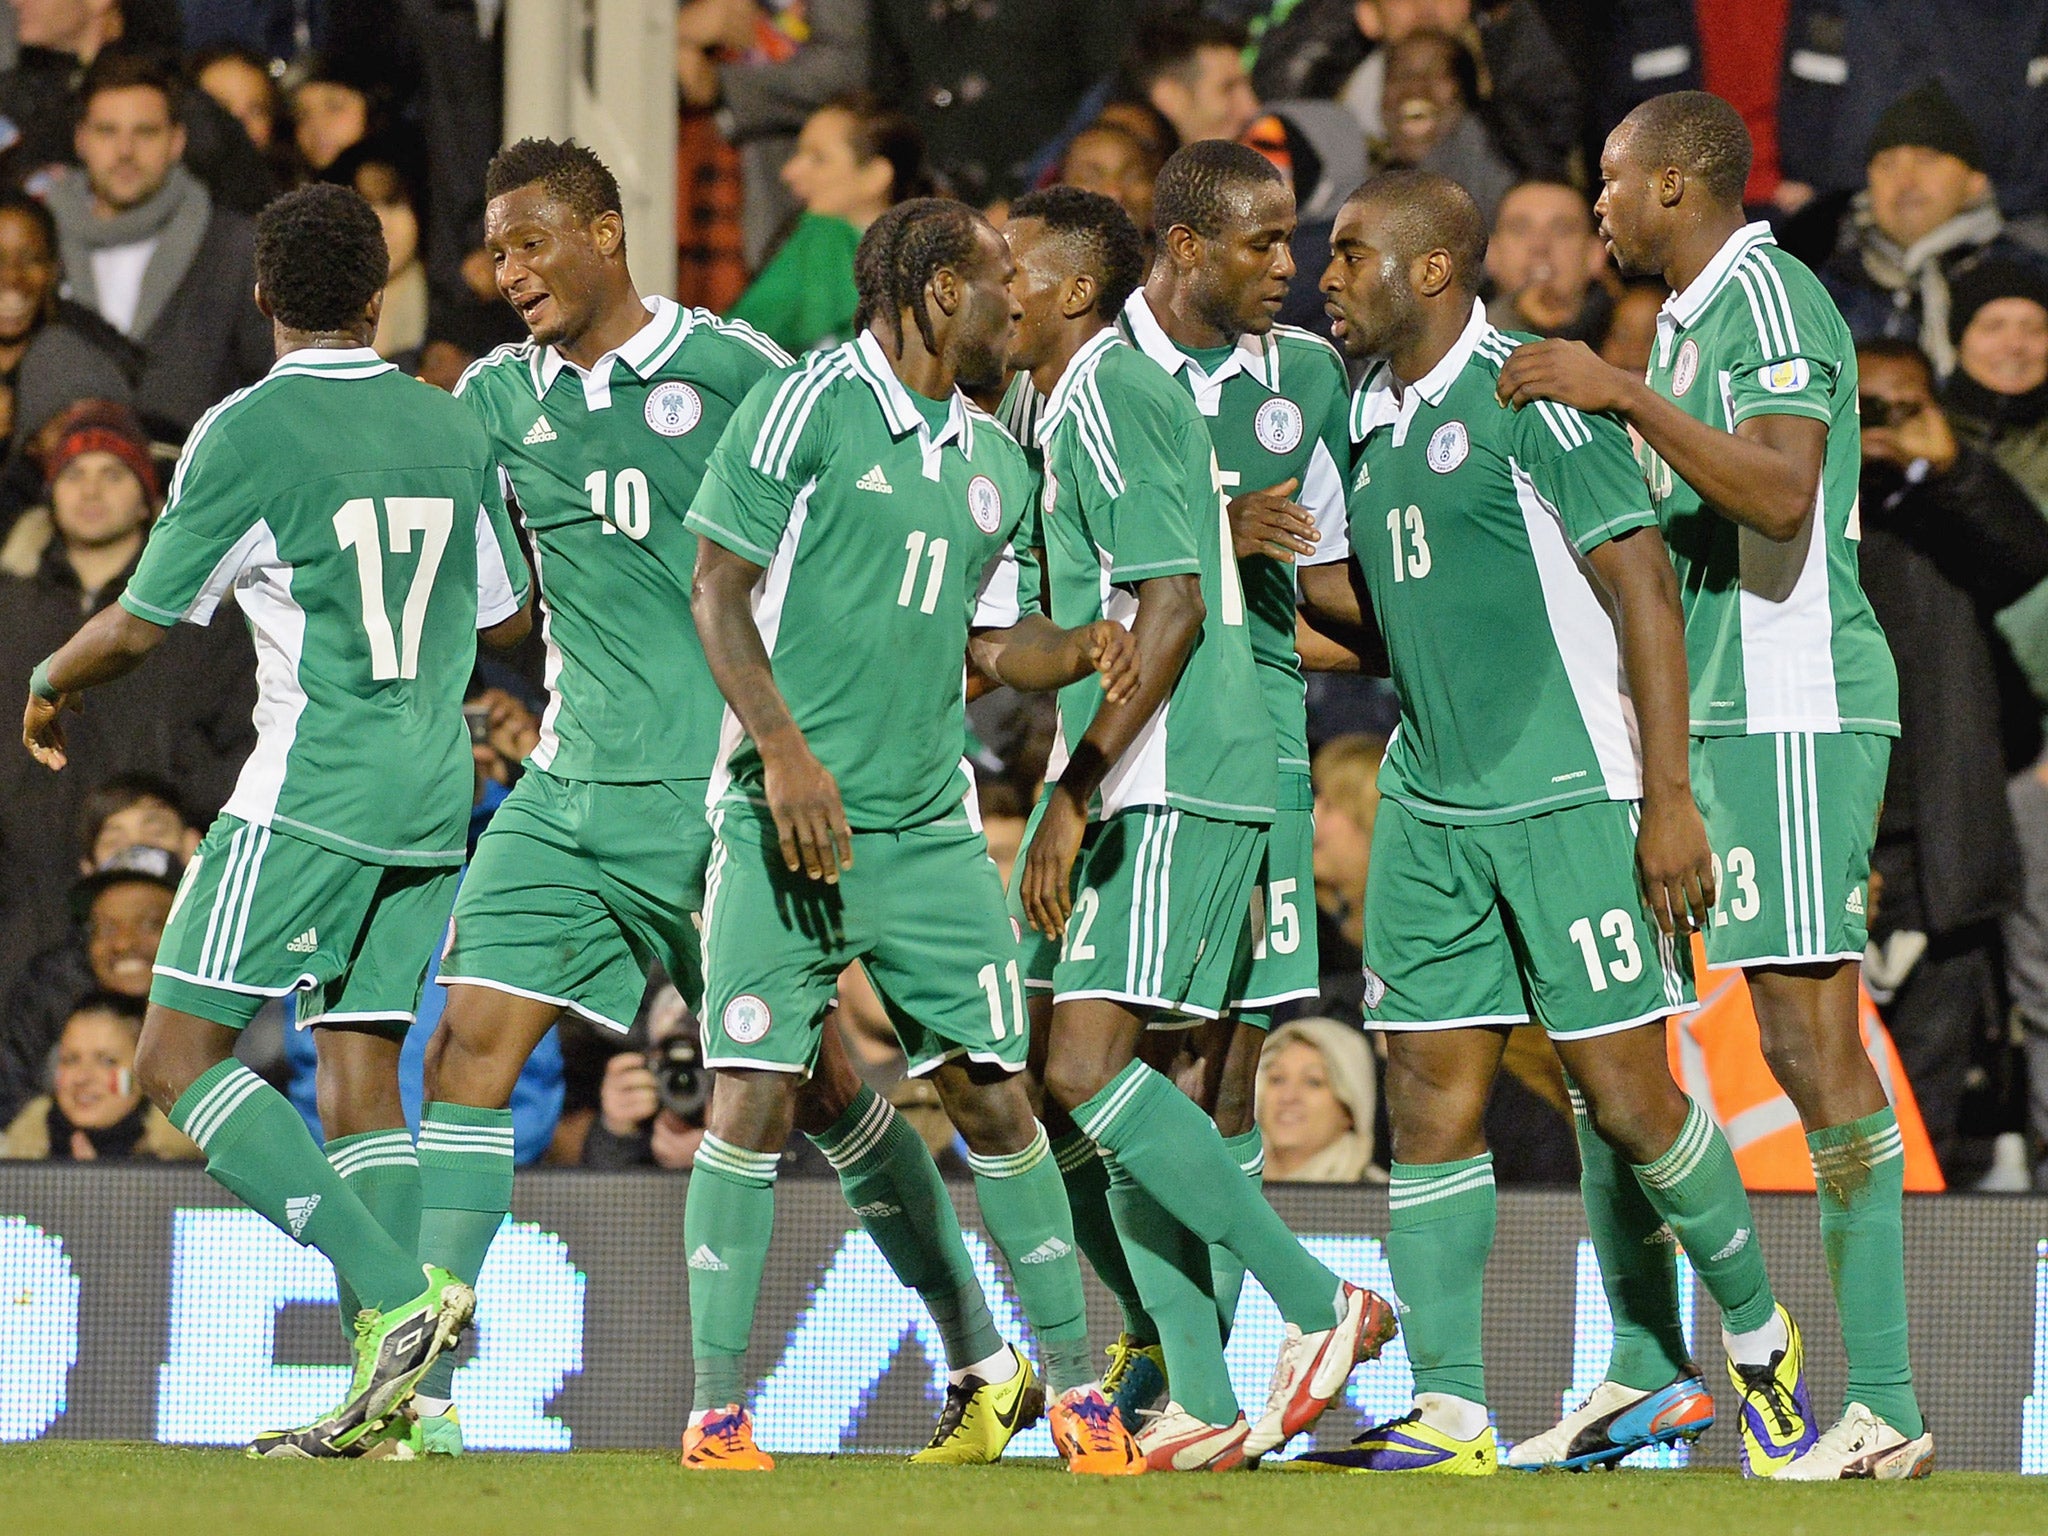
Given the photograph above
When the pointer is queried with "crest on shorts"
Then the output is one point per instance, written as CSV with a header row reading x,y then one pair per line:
x,y
1278,426
985,503
1375,989
1687,368
1448,446
745,1019
673,408
1785,378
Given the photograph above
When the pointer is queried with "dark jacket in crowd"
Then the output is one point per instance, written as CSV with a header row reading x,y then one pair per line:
x,y
211,339
32,1018
185,716
991,81
75,356
1939,558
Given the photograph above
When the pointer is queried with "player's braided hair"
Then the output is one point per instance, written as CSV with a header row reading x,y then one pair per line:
x,y
934,232
566,170
1203,184
320,257
873,260
1099,230
1700,134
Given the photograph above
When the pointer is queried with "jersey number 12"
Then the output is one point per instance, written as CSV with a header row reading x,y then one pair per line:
x,y
432,517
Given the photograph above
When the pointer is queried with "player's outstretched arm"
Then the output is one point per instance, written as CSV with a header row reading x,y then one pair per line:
x,y
111,644
1343,635
1169,617
1035,655
1672,856
803,797
1764,475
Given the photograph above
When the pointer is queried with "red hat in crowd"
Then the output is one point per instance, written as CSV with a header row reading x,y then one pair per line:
x,y
100,426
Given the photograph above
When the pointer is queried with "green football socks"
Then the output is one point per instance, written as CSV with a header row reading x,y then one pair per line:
x,y
1086,1176
1024,1207
1697,1189
1172,1268
1226,1278
1167,1145
382,1170
258,1147
1860,1169
1440,1231
894,1189
465,1194
1638,1264
728,1217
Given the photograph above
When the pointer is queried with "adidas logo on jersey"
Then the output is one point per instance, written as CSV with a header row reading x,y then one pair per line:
x,y
1855,902
1364,476
1733,1246
875,480
703,1258
539,432
1051,1251
298,1210
305,943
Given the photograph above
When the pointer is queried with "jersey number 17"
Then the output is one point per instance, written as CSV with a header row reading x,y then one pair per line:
x,y
431,517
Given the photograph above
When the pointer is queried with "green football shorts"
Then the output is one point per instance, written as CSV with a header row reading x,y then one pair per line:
x,y
261,913
576,887
1791,818
1161,917
921,909
1283,963
1503,922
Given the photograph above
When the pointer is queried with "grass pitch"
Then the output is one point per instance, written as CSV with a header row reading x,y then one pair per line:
x,y
75,1487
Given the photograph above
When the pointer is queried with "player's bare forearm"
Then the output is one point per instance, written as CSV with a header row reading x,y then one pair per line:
x,y
110,644
1671,849
1035,655
1169,617
803,797
1342,634
1764,475
508,632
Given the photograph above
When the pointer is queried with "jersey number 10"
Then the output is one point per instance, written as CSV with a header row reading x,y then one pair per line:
x,y
432,517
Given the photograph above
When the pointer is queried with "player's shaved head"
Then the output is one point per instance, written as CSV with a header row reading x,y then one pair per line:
x,y
1695,133
1421,212
320,258
1210,185
1096,234
568,172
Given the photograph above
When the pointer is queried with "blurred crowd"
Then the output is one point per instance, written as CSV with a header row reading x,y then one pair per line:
x,y
1902,152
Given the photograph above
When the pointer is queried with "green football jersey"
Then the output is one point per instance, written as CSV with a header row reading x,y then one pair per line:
x,y
1131,493
1779,637
354,513
882,521
602,466
1505,657
1276,408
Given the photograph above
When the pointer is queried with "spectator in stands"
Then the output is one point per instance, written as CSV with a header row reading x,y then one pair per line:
x,y
402,325
240,82
53,352
854,158
1632,327
1926,216
133,810
118,915
143,243
1346,775
1317,1093
190,723
1997,400
651,1103
1949,539
1545,262
1319,149
331,111
1108,158
1428,122
37,96
1337,49
993,82
1190,69
765,75
93,1109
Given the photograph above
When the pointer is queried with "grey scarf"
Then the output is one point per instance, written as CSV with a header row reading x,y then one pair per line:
x,y
175,217
1917,268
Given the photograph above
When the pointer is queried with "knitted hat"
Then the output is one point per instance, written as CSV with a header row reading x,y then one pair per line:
x,y
100,426
1988,281
1927,117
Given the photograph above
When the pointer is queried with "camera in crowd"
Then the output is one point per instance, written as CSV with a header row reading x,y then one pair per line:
x,y
680,1080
